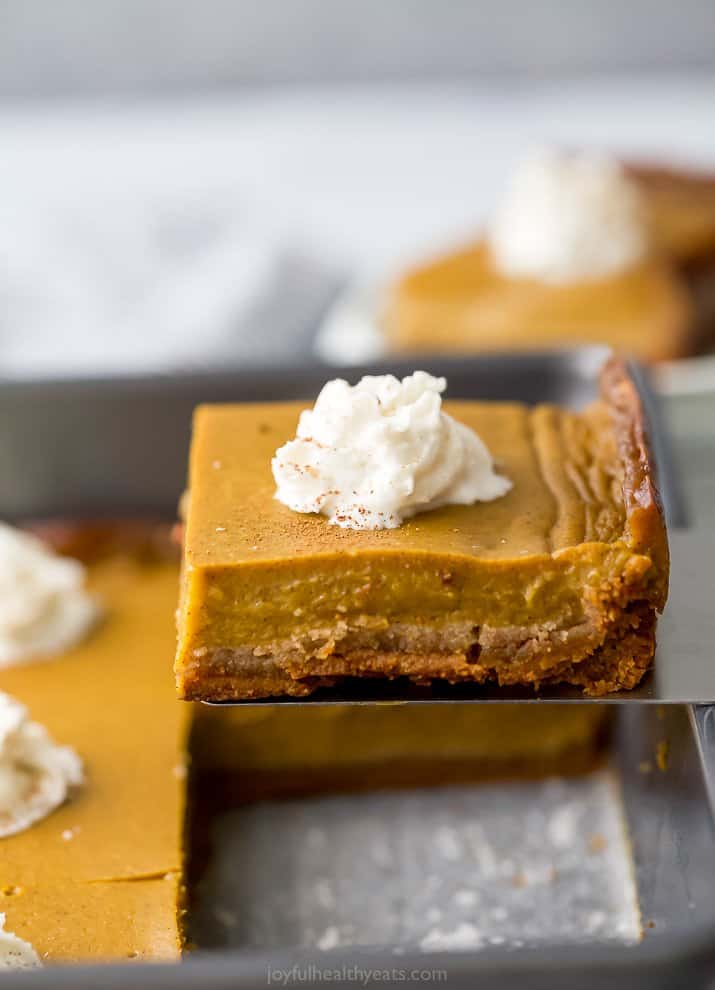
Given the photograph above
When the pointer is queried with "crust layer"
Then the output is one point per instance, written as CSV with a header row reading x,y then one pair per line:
x,y
507,657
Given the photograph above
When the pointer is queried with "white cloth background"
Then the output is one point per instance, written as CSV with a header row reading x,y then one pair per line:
x,y
210,231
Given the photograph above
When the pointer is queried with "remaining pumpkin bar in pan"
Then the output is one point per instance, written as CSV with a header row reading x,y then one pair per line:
x,y
117,921
557,580
101,876
246,753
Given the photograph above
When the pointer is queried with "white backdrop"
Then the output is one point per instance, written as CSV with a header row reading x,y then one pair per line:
x,y
156,234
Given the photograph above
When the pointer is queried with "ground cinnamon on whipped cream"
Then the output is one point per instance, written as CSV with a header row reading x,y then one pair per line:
x,y
371,455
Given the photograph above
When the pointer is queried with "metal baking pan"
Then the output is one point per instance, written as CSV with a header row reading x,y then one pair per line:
x,y
82,448
119,447
662,771
657,877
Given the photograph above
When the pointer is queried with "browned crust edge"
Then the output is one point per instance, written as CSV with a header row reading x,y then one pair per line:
x,y
645,520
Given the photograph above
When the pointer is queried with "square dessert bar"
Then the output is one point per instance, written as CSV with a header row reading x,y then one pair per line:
x,y
560,580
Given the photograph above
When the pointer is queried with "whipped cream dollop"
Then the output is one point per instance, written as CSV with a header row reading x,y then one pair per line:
x,y
15,952
568,217
370,455
35,773
44,605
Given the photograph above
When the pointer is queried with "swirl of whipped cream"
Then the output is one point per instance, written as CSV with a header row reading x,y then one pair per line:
x,y
568,218
44,606
35,773
369,456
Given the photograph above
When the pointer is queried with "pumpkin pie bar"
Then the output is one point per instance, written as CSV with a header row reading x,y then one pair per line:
x,y
100,878
659,308
560,580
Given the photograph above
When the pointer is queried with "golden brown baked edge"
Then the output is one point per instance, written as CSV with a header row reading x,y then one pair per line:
x,y
645,520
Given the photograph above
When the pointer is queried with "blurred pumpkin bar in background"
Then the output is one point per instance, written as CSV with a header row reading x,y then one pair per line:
x,y
581,250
